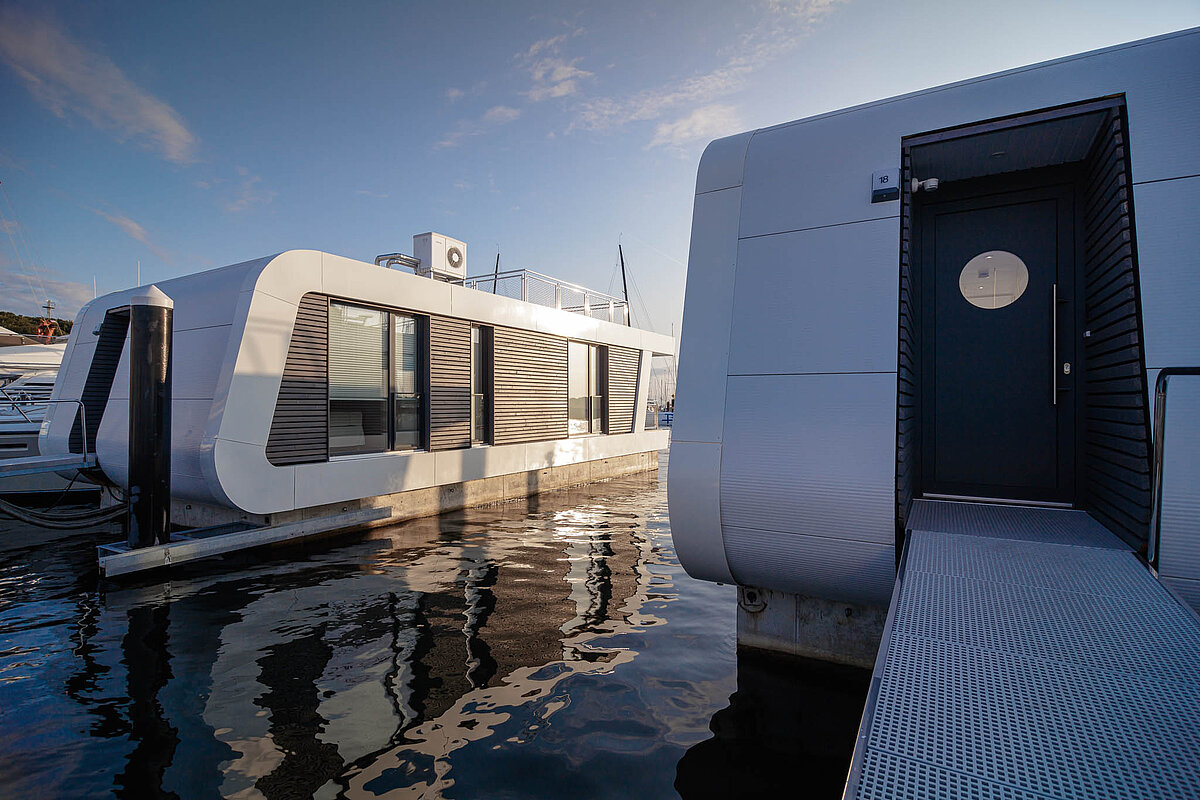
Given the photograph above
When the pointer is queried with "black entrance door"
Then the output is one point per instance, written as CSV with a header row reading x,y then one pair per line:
x,y
998,416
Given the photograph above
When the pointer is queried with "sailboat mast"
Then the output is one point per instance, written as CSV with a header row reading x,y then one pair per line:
x,y
625,286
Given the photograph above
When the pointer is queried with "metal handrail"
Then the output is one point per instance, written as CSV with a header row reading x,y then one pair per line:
x,y
1160,421
17,402
47,401
512,273
589,302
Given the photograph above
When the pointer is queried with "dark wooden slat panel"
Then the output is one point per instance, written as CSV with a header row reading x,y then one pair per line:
x,y
300,426
1116,485
623,368
449,383
530,392
98,384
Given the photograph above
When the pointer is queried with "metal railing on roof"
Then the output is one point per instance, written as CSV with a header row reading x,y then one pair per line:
x,y
534,287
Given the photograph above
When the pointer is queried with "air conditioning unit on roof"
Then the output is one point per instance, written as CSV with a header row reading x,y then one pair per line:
x,y
441,257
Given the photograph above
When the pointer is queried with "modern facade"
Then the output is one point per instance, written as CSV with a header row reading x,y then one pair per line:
x,y
965,293
306,383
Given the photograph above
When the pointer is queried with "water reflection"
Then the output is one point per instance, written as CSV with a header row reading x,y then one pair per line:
x,y
536,648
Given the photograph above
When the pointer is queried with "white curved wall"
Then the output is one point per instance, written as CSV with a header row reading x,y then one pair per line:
x,y
783,458
232,330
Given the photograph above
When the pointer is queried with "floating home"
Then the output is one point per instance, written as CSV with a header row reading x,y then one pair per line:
x,y
307,384
964,295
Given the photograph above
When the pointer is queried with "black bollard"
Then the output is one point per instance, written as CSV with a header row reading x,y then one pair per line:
x,y
150,325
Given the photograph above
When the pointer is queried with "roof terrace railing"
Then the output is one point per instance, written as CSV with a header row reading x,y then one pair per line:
x,y
534,287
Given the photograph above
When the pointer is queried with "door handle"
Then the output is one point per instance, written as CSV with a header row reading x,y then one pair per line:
x,y
1054,345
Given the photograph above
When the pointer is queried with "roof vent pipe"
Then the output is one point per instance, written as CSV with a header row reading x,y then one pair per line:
x,y
389,260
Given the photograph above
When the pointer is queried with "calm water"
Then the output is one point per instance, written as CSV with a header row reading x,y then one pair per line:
x,y
546,648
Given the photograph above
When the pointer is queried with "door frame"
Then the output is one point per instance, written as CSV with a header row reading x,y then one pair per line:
x,y
1060,183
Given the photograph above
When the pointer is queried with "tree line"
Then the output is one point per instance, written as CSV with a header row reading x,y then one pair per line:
x,y
20,323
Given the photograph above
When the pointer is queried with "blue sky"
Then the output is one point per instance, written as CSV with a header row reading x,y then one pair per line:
x,y
194,135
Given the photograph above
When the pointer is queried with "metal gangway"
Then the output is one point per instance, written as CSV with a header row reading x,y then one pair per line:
x,y
1030,653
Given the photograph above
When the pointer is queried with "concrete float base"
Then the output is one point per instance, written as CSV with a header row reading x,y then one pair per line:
x,y
215,531
433,500
826,630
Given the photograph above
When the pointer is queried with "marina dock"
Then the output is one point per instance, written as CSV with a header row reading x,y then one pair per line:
x,y
1029,653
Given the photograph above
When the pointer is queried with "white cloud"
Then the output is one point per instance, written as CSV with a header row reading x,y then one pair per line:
x,y
704,123
135,231
249,193
65,77
467,128
453,94
21,298
552,74
498,115
779,31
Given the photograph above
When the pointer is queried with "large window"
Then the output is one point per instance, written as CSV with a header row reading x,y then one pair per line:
x,y
358,380
481,385
585,388
408,399
376,375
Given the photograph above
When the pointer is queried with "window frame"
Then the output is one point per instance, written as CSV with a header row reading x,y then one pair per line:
x,y
596,369
484,373
422,379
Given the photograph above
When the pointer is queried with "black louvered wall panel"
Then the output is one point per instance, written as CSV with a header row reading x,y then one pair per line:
x,y
530,380
1116,485
98,385
622,371
908,457
449,383
300,426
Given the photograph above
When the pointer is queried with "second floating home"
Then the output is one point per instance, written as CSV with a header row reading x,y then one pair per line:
x,y
307,383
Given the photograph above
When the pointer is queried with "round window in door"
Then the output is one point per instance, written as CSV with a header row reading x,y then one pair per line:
x,y
993,279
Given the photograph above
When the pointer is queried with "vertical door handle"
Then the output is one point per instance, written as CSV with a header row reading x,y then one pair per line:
x,y
1054,345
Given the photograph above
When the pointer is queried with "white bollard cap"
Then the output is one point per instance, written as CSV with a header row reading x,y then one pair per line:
x,y
152,296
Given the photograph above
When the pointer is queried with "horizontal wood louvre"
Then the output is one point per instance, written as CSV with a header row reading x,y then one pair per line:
x,y
300,427
623,364
449,383
530,384
908,434
1116,485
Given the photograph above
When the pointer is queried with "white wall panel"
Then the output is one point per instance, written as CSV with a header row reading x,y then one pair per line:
x,y
707,315
817,171
694,500
722,163
1169,268
832,569
196,357
812,455
817,301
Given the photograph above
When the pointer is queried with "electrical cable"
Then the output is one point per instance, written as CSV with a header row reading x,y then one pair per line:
x,y
63,520
87,519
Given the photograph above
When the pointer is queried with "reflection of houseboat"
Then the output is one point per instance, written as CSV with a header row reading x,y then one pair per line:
x,y
306,382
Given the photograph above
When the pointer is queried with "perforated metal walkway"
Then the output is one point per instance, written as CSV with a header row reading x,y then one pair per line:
x,y
1029,654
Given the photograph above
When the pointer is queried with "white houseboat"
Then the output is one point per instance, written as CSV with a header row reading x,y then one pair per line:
x,y
307,384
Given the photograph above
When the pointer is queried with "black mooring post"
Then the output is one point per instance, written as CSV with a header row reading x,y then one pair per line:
x,y
150,325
